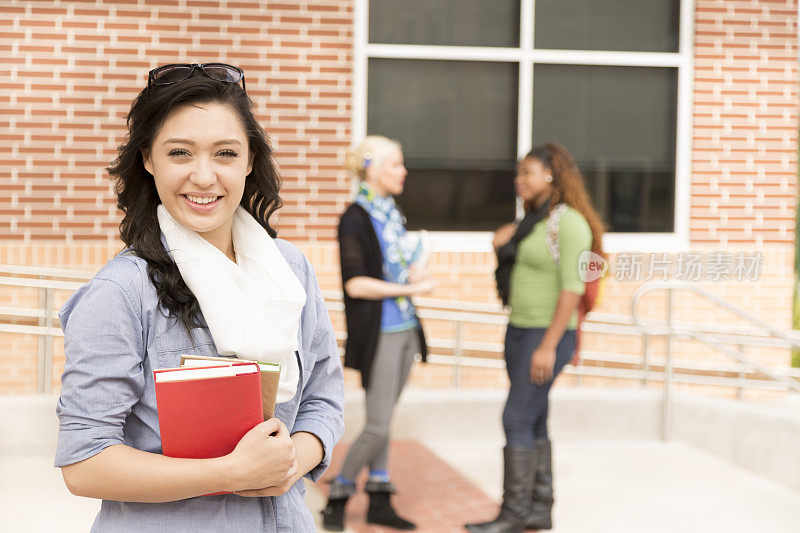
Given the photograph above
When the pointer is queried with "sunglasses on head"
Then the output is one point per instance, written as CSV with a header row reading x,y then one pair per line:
x,y
169,74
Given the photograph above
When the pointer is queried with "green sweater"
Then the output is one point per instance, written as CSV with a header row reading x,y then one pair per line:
x,y
536,283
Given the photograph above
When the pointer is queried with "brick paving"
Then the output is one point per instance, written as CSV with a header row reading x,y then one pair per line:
x,y
430,492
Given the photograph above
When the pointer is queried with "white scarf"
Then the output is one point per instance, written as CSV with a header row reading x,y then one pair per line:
x,y
253,306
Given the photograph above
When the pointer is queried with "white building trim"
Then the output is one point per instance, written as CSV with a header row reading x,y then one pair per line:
x,y
360,62
496,54
680,240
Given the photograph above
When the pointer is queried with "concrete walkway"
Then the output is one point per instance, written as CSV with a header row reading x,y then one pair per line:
x,y
33,497
602,484
614,487
634,487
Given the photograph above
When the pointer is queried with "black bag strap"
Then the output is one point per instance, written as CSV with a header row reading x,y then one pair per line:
x,y
507,254
525,227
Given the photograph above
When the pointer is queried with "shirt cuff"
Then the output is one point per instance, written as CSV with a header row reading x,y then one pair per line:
x,y
577,287
78,445
319,429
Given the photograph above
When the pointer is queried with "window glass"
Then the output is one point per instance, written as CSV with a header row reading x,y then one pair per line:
x,y
620,124
457,122
625,25
445,22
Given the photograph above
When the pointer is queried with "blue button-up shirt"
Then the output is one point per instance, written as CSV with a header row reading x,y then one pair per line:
x,y
115,335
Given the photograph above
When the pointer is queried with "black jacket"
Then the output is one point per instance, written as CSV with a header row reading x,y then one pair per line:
x,y
360,255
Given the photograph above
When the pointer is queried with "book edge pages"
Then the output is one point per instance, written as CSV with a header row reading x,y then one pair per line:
x,y
198,361
166,375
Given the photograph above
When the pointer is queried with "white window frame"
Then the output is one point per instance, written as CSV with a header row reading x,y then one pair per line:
x,y
526,56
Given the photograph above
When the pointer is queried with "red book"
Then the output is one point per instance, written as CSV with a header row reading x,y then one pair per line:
x,y
204,412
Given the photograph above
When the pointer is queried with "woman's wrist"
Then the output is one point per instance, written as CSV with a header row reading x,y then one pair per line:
x,y
548,342
310,451
221,474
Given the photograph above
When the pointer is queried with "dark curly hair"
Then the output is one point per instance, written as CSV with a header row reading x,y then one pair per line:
x,y
136,191
568,187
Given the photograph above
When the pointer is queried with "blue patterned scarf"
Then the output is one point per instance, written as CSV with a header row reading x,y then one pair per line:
x,y
401,250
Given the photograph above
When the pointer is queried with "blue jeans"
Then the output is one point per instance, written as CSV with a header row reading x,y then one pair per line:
x,y
525,413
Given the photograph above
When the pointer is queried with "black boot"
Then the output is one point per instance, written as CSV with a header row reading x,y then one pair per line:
x,y
540,514
333,514
517,482
380,509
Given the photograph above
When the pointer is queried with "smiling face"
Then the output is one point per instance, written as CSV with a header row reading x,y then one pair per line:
x,y
531,181
389,178
199,160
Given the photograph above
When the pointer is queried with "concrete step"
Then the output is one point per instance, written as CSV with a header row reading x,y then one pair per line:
x,y
476,414
760,437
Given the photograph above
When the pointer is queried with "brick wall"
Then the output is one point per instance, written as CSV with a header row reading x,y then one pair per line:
x,y
744,159
769,297
72,69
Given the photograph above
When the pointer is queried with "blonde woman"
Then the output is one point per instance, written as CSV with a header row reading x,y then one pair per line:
x,y
379,276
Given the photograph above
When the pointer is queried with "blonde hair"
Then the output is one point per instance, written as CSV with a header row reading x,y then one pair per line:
x,y
372,151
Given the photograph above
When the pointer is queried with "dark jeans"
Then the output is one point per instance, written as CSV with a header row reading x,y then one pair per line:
x,y
525,414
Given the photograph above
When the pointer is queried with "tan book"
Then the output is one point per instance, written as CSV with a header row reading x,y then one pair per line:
x,y
270,374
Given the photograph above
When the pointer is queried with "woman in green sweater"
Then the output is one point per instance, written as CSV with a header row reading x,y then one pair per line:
x,y
545,289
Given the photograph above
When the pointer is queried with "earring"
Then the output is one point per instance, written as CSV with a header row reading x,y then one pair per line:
x,y
548,178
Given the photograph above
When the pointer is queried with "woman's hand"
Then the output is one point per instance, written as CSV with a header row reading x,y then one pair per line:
x,y
419,281
264,457
543,362
310,452
417,273
276,490
503,234
425,286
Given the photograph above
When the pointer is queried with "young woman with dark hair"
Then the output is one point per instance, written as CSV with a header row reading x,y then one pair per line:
x,y
544,292
202,273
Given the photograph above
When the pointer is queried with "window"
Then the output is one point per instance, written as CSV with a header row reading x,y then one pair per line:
x,y
619,124
626,25
457,121
445,22
468,86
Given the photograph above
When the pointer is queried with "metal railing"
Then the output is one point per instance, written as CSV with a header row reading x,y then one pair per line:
x,y
460,314
453,350
671,331
46,281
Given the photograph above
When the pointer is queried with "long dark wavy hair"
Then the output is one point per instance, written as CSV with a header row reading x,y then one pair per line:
x,y
568,187
136,191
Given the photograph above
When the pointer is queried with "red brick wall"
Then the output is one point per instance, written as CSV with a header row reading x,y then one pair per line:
x,y
71,70
744,160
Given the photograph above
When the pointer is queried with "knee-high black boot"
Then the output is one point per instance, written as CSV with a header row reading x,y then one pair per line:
x,y
380,508
333,514
517,484
540,516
